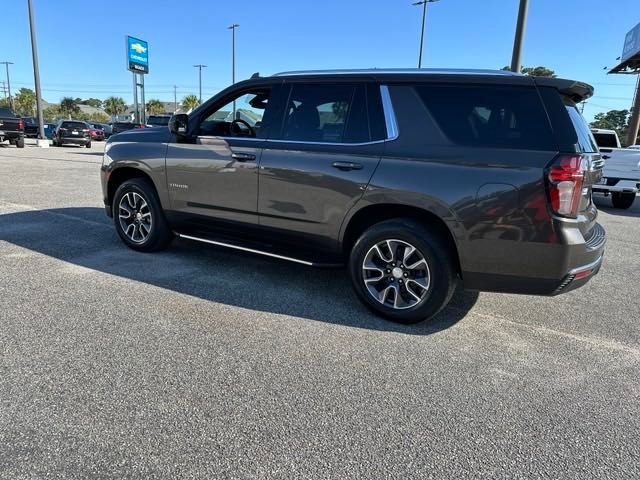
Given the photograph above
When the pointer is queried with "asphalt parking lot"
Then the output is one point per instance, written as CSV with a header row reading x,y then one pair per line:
x,y
204,363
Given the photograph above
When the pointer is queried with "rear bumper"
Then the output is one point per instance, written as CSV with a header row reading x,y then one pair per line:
x,y
623,186
559,268
9,135
74,141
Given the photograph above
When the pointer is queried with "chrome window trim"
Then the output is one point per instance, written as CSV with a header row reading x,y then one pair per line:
x,y
389,120
389,113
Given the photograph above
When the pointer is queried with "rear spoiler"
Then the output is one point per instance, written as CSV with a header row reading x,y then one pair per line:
x,y
577,91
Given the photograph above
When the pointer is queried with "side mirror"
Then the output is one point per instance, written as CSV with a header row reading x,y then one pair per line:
x,y
179,124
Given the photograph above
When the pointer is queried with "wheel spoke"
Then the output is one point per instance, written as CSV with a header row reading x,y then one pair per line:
x,y
401,262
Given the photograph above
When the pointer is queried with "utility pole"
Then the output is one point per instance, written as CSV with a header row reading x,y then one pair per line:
x,y
36,76
516,59
424,17
200,67
6,66
175,98
233,60
634,122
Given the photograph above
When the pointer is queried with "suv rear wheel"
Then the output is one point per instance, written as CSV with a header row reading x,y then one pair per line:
x,y
403,271
622,200
20,142
138,216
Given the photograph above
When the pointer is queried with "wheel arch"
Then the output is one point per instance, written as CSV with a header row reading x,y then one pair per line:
x,y
120,175
369,215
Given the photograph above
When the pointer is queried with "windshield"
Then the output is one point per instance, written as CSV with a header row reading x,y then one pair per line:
x,y
158,121
606,140
74,125
6,112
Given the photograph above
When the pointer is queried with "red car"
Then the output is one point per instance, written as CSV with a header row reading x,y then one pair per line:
x,y
96,134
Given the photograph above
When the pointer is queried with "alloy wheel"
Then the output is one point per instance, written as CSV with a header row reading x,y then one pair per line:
x,y
396,274
135,217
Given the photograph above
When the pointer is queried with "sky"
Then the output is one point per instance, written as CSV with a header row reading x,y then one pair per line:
x,y
81,44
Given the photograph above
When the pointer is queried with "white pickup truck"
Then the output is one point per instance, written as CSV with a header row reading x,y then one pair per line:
x,y
621,174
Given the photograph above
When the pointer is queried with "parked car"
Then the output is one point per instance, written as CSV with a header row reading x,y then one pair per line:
x,y
30,127
72,132
634,147
96,132
621,175
11,127
415,180
118,127
158,120
49,129
106,128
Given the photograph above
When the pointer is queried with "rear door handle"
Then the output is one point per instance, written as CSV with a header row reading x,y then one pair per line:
x,y
346,166
606,157
243,157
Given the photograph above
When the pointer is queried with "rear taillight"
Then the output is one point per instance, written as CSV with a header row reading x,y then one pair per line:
x,y
566,178
20,124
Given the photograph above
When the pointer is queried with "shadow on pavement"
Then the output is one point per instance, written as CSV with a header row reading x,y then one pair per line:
x,y
86,237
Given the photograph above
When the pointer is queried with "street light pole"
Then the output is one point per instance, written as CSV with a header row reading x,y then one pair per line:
x,y
233,51
6,65
200,67
36,72
424,17
516,63
175,99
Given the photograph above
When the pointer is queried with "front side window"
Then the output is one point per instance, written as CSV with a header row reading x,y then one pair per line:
x,y
326,114
241,116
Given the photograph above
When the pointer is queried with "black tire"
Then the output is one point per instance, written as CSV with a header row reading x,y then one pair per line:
x,y
622,200
429,244
159,237
88,145
20,142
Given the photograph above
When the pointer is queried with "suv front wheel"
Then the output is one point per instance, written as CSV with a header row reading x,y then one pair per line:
x,y
402,271
138,216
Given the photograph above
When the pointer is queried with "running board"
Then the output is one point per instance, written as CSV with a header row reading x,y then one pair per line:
x,y
245,249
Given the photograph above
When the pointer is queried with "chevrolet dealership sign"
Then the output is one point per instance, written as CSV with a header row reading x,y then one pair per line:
x,y
137,55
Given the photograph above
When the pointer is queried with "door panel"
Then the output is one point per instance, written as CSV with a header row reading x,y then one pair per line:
x,y
205,179
301,190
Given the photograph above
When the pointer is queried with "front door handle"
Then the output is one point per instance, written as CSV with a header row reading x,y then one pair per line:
x,y
346,166
243,157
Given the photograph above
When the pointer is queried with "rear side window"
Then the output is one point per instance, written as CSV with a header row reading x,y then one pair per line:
x,y
326,113
489,116
569,127
7,113
606,140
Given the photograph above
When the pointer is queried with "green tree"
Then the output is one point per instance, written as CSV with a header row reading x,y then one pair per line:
x,y
539,71
155,107
617,120
4,102
98,117
114,106
51,114
93,102
190,102
25,102
69,107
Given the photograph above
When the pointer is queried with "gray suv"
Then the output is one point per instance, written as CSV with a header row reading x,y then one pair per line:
x,y
416,180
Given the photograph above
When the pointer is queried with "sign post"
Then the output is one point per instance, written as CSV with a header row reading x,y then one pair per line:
x,y
630,64
138,64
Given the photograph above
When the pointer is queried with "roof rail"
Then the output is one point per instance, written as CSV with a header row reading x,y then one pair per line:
x,y
425,71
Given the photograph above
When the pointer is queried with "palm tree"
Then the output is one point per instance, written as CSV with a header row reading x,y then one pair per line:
x,y
69,106
155,107
114,106
190,102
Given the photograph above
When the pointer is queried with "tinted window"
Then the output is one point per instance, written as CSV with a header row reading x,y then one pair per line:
x,y
489,116
605,140
6,113
74,125
326,114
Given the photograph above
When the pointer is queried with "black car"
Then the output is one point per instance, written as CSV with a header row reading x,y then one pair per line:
x,y
73,132
416,180
11,127
118,127
30,127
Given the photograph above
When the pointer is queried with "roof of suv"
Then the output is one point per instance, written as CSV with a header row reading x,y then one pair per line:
x,y
400,71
